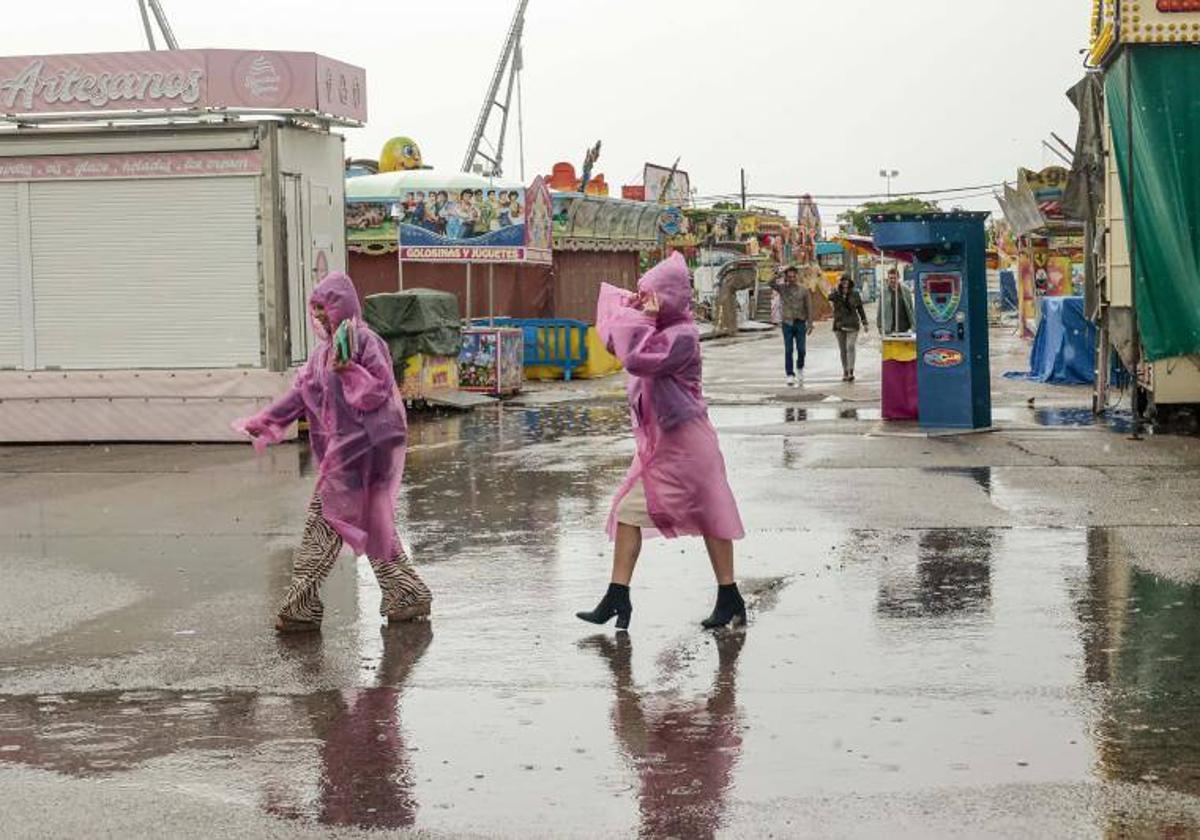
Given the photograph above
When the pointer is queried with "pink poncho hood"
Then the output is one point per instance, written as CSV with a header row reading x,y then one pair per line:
x,y
357,426
671,281
337,295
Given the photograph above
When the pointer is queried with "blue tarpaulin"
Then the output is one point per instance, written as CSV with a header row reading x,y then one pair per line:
x,y
1064,352
1008,291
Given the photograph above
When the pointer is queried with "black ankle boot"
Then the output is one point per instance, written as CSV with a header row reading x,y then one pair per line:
x,y
615,602
730,608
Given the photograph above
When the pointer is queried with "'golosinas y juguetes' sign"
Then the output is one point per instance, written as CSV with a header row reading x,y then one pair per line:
x,y
183,80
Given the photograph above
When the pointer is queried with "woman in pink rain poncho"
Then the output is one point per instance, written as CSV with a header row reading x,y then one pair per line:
x,y
358,432
676,485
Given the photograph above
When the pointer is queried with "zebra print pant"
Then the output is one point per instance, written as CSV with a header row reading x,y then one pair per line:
x,y
318,551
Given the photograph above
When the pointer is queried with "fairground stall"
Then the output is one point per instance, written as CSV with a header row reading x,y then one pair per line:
x,y
549,293
716,237
461,226
1137,170
598,240
485,240
163,217
1049,245
601,239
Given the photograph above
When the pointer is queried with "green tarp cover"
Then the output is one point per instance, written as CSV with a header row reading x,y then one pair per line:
x,y
415,321
1166,200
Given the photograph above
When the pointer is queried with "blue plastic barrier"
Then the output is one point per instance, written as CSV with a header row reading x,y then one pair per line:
x,y
549,342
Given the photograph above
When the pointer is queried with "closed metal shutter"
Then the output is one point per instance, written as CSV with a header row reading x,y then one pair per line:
x,y
10,279
156,273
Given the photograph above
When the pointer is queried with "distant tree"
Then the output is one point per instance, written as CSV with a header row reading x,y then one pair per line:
x,y
727,205
859,219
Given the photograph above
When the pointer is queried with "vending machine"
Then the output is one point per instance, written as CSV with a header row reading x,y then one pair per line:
x,y
950,298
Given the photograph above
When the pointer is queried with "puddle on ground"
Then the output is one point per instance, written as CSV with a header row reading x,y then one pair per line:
x,y
955,606
917,648
980,475
1117,421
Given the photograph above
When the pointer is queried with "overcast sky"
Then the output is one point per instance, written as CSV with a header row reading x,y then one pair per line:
x,y
808,95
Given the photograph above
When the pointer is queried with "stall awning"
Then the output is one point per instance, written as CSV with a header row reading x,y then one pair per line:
x,y
866,245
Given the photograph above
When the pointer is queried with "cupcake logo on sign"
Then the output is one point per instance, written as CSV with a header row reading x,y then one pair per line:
x,y
263,80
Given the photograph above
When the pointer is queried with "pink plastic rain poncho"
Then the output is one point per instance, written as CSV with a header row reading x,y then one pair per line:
x,y
678,456
357,427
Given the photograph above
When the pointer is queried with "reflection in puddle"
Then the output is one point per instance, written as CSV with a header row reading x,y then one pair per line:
x,y
1139,643
952,576
351,741
1116,421
684,751
980,475
801,415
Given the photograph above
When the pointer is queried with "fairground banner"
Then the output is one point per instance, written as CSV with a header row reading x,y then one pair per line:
x,y
187,80
460,221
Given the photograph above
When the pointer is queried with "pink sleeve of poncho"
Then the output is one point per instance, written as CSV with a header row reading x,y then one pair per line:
x,y
269,425
369,382
644,349
634,337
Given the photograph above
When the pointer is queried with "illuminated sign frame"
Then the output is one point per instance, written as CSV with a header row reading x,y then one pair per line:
x,y
1115,22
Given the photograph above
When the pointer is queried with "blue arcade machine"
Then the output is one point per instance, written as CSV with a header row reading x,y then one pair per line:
x,y
950,297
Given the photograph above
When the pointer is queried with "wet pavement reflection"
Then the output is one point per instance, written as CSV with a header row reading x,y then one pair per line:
x,y
349,745
683,751
1140,648
943,638
952,575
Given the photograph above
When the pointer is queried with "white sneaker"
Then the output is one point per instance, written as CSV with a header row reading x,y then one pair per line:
x,y
791,382
800,378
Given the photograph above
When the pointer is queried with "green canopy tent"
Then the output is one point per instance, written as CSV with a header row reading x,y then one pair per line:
x,y
1163,85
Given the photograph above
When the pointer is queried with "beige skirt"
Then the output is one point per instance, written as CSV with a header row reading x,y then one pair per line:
x,y
632,510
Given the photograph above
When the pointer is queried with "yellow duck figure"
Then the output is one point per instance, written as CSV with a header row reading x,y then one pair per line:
x,y
400,154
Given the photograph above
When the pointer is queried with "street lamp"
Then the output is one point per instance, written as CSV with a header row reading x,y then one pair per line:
x,y
889,174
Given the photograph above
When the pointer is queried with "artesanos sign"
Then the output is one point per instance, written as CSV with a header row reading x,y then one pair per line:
x,y
172,80
37,89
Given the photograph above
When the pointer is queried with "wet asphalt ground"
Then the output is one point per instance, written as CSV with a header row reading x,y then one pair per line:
x,y
984,636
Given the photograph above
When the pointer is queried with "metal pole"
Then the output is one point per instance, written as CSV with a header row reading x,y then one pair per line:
x,y
1103,359
498,167
468,292
400,252
146,24
520,111
1131,227
163,24
743,189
